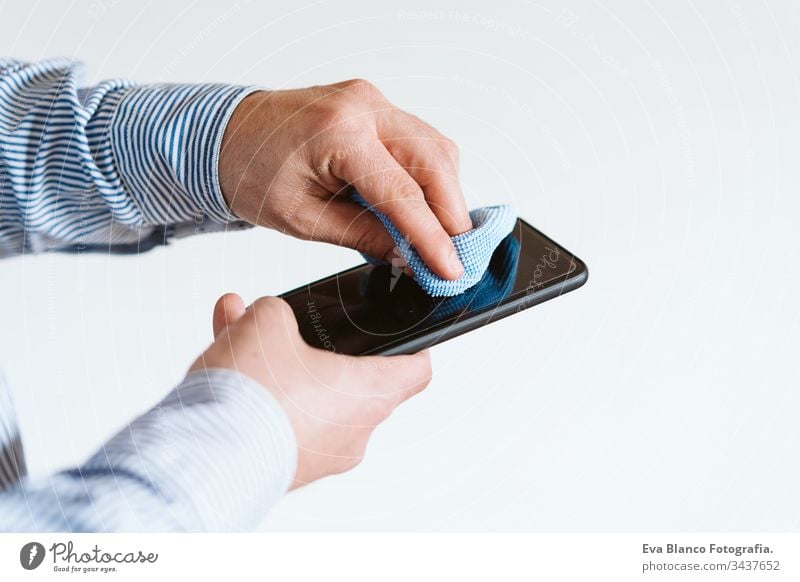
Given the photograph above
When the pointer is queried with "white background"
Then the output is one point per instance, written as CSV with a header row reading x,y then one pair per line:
x,y
657,140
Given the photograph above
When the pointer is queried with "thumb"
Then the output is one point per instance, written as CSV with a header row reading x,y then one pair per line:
x,y
227,311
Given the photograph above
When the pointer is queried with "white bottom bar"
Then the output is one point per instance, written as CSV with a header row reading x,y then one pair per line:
x,y
405,557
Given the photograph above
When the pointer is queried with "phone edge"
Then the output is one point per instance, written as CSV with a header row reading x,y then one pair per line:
x,y
458,328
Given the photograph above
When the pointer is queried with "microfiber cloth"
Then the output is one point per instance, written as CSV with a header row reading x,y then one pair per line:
x,y
490,225
496,284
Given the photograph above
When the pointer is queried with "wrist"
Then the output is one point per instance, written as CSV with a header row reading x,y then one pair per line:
x,y
236,151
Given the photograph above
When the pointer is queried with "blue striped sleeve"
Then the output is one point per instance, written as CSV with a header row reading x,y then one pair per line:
x,y
113,164
214,455
12,458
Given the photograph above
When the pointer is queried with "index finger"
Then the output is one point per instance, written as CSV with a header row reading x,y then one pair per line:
x,y
432,161
384,183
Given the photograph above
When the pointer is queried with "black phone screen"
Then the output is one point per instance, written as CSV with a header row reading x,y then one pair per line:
x,y
373,309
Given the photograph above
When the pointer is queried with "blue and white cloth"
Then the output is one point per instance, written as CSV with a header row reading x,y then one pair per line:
x,y
495,285
121,168
490,225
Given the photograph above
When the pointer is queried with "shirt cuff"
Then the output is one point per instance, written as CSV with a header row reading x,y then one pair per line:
x,y
219,451
166,141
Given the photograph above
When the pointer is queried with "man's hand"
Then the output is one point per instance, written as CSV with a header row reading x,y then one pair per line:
x,y
288,156
333,401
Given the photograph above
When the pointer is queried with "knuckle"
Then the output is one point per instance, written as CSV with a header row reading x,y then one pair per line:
x,y
332,114
409,191
407,202
451,148
361,87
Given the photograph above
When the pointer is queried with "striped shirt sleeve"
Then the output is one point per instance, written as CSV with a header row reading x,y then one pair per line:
x,y
122,167
214,455
12,458
113,164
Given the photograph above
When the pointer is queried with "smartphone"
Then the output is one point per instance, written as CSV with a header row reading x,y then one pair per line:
x,y
378,309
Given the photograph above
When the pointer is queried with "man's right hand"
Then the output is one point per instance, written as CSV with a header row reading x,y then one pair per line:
x,y
287,157
333,401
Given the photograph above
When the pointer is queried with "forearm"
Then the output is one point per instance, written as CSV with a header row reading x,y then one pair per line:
x,y
214,455
113,164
